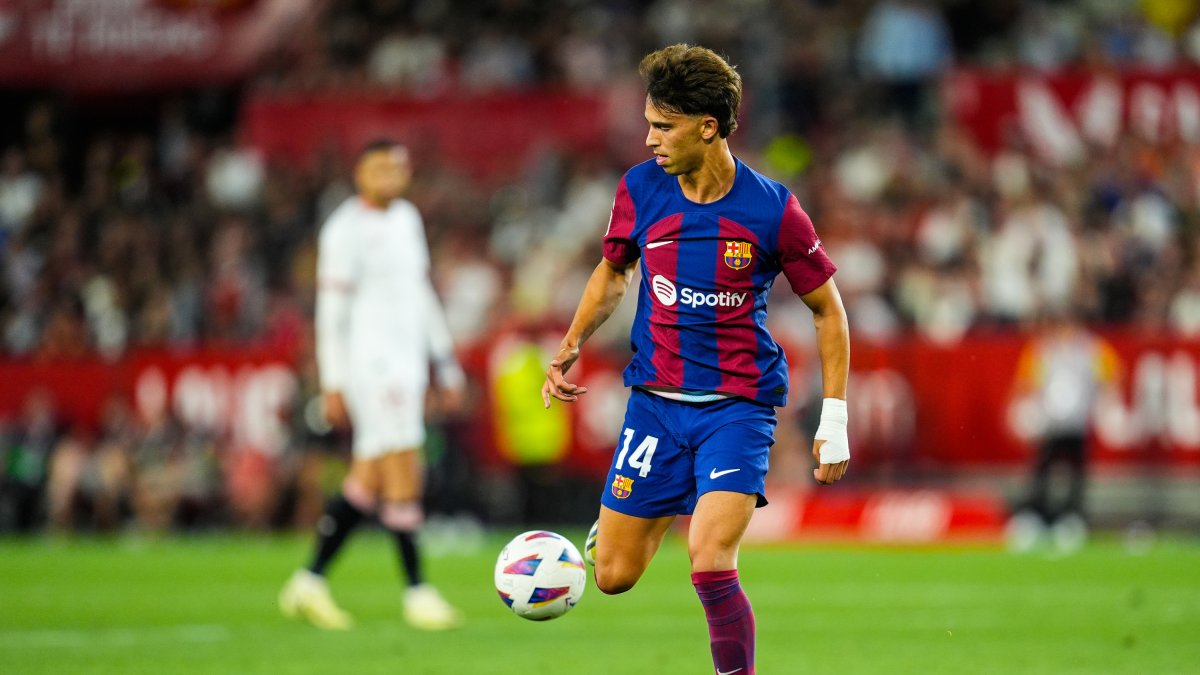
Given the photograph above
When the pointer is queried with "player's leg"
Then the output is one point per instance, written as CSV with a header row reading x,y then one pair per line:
x,y
307,593
649,483
1070,531
402,515
1075,455
1039,492
731,467
401,512
718,525
629,544
345,511
716,531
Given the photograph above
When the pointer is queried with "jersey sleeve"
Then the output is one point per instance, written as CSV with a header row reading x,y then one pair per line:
x,y
619,247
335,255
801,254
335,284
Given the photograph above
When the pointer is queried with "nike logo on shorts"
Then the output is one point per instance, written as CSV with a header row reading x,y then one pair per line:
x,y
660,243
713,476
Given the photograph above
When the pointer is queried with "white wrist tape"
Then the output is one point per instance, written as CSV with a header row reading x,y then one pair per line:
x,y
832,430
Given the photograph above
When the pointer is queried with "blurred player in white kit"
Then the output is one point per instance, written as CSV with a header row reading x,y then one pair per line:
x,y
379,329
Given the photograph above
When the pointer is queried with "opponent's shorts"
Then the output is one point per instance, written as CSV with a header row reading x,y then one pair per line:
x,y
672,452
387,412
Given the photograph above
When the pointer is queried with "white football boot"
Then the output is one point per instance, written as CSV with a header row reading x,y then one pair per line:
x,y
306,595
426,609
589,545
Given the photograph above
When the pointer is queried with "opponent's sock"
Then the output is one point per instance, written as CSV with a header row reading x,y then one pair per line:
x,y
338,521
730,621
410,555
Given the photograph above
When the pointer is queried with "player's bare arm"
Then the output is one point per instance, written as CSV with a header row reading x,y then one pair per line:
x,y
333,407
833,346
603,293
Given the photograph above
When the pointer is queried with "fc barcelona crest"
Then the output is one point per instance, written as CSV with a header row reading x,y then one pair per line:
x,y
737,254
622,487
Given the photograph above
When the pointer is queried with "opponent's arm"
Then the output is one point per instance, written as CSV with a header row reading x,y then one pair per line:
x,y
603,293
332,324
831,447
335,289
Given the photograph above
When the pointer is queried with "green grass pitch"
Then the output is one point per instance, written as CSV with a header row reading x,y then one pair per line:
x,y
207,605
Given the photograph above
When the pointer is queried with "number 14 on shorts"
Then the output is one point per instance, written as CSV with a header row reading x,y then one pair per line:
x,y
640,459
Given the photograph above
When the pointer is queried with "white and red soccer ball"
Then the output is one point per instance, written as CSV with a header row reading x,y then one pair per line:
x,y
540,575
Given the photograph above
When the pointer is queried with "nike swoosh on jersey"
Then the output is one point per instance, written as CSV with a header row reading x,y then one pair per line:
x,y
656,244
715,475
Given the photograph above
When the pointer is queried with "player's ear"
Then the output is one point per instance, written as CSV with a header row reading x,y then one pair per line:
x,y
709,127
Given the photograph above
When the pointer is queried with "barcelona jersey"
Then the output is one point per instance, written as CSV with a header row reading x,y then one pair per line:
x,y
706,272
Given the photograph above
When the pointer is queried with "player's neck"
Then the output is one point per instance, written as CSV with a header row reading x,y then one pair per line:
x,y
713,179
375,204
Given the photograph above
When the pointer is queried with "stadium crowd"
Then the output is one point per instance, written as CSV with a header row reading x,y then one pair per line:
x,y
171,234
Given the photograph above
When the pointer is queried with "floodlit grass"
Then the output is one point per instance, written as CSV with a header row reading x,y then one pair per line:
x,y
207,605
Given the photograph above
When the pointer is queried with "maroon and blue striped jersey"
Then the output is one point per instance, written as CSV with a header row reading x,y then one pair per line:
x,y
706,272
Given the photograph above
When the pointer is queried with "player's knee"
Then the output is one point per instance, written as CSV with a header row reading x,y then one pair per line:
x,y
613,580
712,557
358,496
403,517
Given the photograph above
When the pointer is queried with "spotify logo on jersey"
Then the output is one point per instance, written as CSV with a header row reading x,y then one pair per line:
x,y
664,290
666,293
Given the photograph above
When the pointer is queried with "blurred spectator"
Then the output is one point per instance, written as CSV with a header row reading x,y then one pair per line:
x,y
177,479
20,190
495,60
237,294
235,178
1049,35
1062,373
411,60
89,482
65,336
1184,311
905,44
28,446
1029,262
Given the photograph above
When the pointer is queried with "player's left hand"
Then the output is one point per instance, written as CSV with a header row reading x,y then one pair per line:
x,y
555,385
827,474
450,400
333,407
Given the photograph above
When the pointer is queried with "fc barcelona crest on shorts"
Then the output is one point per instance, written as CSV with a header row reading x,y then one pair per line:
x,y
622,487
737,254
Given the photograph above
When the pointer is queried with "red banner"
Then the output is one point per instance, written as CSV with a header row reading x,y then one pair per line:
x,y
126,45
913,404
918,405
925,403
884,516
241,397
488,135
1060,114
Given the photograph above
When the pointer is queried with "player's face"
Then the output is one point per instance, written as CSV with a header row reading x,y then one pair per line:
x,y
678,141
383,175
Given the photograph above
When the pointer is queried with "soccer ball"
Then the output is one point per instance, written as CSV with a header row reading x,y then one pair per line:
x,y
540,575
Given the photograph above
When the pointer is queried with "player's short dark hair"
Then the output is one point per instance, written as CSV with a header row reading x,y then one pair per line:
x,y
377,144
693,81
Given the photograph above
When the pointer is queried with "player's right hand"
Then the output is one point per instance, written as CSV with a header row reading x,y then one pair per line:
x,y
827,474
333,406
555,385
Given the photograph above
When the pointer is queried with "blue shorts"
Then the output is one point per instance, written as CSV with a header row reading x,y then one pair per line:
x,y
671,452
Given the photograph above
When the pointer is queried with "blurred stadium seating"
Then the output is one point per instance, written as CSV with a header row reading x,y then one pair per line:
x,y
165,166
